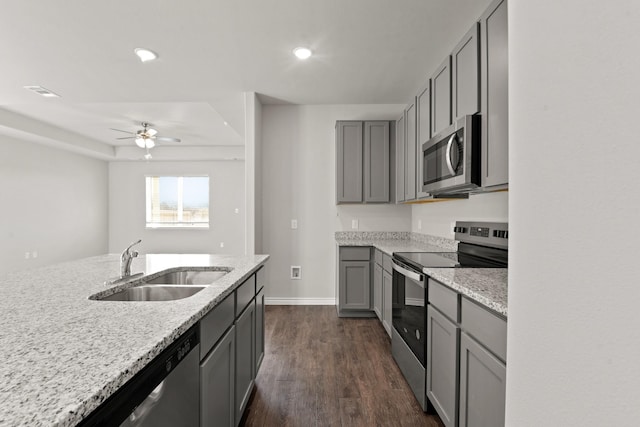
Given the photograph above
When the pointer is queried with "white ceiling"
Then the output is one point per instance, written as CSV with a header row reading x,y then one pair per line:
x,y
210,52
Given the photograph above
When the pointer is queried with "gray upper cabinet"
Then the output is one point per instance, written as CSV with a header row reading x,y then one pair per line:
x,y
441,97
465,60
376,162
494,88
364,162
482,386
410,153
349,154
400,158
423,103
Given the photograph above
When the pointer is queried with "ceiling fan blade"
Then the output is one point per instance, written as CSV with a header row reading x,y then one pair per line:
x,y
166,139
127,137
125,131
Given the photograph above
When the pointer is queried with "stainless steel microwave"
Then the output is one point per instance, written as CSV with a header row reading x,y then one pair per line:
x,y
451,159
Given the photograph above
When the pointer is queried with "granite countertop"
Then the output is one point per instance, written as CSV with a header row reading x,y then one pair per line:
x,y
487,286
64,354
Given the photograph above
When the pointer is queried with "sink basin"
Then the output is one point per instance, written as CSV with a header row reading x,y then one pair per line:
x,y
187,277
154,293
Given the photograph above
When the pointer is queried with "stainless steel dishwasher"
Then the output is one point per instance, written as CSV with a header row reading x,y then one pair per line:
x,y
164,393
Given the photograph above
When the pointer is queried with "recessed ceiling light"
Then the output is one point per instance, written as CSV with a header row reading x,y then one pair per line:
x,y
225,123
302,52
42,91
145,55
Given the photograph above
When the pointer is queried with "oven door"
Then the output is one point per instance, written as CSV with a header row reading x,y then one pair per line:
x,y
451,158
409,308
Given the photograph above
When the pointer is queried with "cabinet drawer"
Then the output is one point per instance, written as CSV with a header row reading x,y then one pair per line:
x,y
245,293
386,263
445,300
355,253
378,256
214,324
486,327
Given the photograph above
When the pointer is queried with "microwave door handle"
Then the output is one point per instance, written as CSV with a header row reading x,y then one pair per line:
x,y
448,156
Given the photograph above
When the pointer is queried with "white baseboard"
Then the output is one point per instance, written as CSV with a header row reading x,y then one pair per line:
x,y
299,301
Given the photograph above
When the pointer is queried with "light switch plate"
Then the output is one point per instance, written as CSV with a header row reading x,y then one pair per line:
x,y
354,224
294,224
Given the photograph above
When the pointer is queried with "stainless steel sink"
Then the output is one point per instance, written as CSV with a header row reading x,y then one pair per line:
x,y
154,293
187,277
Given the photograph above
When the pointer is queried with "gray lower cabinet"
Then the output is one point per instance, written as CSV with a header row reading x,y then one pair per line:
x,y
377,290
494,94
245,366
482,386
355,284
387,300
259,347
442,365
217,383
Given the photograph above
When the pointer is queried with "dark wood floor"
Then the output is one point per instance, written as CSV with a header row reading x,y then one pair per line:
x,y
321,370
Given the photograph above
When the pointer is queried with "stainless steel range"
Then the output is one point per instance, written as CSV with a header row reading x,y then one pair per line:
x,y
482,245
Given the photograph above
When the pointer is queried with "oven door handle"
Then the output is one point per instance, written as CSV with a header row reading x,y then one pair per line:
x,y
408,273
448,155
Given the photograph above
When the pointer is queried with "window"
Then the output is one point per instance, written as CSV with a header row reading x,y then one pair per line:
x,y
177,201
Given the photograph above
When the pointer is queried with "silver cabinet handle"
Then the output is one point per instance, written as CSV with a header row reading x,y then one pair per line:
x,y
408,273
448,155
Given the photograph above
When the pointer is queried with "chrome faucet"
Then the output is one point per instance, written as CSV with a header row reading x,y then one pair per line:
x,y
125,260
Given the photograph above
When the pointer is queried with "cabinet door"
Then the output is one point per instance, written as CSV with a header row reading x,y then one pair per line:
x,y
424,133
400,158
355,285
442,366
466,74
376,162
377,290
482,386
441,97
494,87
387,303
217,384
410,153
349,155
245,365
259,347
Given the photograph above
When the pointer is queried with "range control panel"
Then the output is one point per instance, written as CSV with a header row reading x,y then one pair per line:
x,y
494,234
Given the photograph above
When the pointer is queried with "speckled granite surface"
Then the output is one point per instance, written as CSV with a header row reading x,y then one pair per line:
x,y
488,286
64,354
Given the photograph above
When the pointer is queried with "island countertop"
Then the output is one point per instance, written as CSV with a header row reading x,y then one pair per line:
x,y
64,354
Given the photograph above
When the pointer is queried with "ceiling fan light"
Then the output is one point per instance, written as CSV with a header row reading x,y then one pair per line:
x,y
151,132
145,55
140,142
149,143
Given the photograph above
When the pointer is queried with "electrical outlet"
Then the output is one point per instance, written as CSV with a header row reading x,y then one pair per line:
x,y
419,224
296,272
222,244
294,224
237,210
354,224
34,254
27,255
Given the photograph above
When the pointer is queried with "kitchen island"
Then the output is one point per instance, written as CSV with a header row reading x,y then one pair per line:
x,y
64,354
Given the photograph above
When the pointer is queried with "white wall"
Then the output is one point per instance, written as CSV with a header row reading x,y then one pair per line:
x,y
298,179
574,323
438,217
127,208
53,202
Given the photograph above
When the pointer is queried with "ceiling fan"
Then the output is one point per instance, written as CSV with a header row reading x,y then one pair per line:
x,y
147,136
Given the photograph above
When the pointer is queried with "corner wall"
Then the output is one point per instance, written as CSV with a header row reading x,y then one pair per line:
x,y
54,202
574,337
298,178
